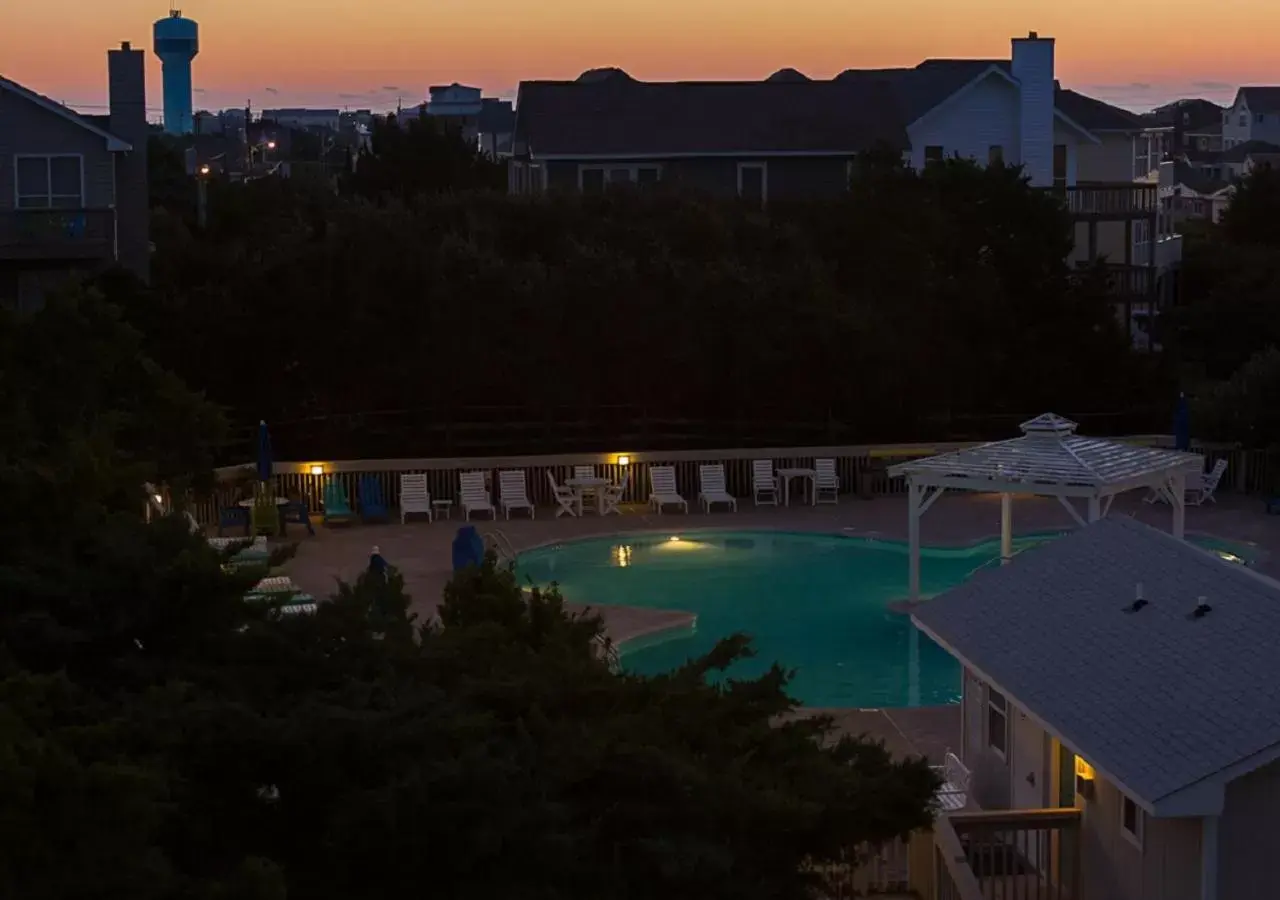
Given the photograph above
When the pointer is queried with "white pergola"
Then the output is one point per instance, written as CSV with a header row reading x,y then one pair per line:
x,y
1049,460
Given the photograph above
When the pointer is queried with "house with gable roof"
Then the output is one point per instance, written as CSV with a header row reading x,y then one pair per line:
x,y
1131,677
1253,116
791,137
73,187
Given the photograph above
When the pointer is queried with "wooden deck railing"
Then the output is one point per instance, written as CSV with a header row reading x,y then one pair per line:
x,y
1115,201
1029,854
862,471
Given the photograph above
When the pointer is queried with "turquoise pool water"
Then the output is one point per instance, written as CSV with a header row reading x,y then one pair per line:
x,y
816,604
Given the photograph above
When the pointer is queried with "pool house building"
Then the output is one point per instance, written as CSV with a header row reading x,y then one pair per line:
x,y
1048,460
1135,732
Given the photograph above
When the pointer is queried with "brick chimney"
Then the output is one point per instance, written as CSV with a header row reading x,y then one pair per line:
x,y
1033,68
127,90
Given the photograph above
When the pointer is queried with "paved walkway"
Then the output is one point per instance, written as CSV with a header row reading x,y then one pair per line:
x,y
423,553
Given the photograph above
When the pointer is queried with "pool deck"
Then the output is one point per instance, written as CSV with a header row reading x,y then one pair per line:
x,y
422,552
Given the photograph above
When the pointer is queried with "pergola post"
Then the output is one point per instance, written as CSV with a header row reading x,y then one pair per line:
x,y
1006,528
915,503
919,498
1178,487
1095,508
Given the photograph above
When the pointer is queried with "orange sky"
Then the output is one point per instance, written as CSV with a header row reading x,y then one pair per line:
x,y
361,53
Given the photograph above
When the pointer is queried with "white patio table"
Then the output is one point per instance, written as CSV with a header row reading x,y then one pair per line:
x,y
785,476
583,486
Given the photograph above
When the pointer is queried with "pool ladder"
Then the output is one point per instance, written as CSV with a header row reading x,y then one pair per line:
x,y
500,544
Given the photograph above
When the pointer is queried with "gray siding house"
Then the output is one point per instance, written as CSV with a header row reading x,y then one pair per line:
x,y
1132,676
73,188
784,138
790,136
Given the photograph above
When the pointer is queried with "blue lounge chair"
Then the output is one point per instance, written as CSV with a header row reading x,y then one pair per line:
x,y
336,508
372,506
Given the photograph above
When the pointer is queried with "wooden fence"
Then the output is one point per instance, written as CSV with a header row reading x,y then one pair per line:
x,y
862,471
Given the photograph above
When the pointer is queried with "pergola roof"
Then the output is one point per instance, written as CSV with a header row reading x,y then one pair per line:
x,y
1050,458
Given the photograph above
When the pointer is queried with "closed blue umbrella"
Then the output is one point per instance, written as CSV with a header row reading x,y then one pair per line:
x,y
264,453
1182,424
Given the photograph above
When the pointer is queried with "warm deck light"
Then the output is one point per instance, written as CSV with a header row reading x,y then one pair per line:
x,y
1084,778
624,460
673,539
204,170
317,470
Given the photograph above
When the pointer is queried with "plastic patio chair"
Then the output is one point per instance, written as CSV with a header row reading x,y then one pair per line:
x,y
336,508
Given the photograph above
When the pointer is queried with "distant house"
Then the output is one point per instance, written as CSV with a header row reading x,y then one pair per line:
x,y
791,137
1130,675
759,140
1197,195
1254,116
73,188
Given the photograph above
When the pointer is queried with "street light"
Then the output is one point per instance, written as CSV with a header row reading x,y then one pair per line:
x,y
202,195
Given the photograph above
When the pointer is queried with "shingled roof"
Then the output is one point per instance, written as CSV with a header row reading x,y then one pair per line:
x,y
1260,99
617,115
1160,701
606,112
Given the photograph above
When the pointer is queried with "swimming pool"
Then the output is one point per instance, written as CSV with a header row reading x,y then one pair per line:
x,y
815,603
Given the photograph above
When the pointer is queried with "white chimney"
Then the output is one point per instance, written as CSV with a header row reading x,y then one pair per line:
x,y
1033,68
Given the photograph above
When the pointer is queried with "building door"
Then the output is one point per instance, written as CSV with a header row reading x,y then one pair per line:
x,y
1029,788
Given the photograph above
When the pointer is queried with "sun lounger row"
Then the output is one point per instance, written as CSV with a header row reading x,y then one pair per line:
x,y
769,486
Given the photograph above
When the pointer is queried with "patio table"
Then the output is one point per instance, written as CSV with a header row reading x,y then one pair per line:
x,y
585,485
785,476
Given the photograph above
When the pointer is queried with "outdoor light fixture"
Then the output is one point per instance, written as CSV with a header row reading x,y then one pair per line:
x,y
317,470
204,170
1084,778
624,460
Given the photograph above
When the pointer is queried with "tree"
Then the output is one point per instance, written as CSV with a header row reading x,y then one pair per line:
x,y
1243,407
418,155
819,322
162,737
1248,218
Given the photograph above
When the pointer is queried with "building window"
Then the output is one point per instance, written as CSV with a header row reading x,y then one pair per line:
x,y
591,180
997,722
753,183
1260,118
1244,118
1131,821
995,155
1059,165
49,182
932,154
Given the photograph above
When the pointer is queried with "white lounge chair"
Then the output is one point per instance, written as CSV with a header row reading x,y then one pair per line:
x,y
613,495
711,488
826,483
662,480
414,497
764,482
1200,488
473,496
564,496
954,793
1198,494
515,492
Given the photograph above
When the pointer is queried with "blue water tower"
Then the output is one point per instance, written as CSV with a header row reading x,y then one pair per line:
x,y
177,41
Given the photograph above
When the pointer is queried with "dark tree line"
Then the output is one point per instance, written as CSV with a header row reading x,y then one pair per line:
x,y
890,313
161,738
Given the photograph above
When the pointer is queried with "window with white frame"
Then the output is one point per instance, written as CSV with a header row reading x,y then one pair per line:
x,y
1131,820
753,182
49,182
997,721
593,179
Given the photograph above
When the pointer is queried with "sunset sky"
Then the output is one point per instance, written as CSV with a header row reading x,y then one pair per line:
x,y
358,53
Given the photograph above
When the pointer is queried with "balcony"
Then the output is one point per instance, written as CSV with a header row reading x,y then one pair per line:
x,y
1168,252
1123,200
57,234
1032,853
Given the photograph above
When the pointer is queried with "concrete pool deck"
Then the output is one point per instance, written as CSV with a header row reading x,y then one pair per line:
x,y
422,552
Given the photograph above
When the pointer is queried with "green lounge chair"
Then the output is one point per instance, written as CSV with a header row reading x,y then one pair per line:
x,y
337,510
264,515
